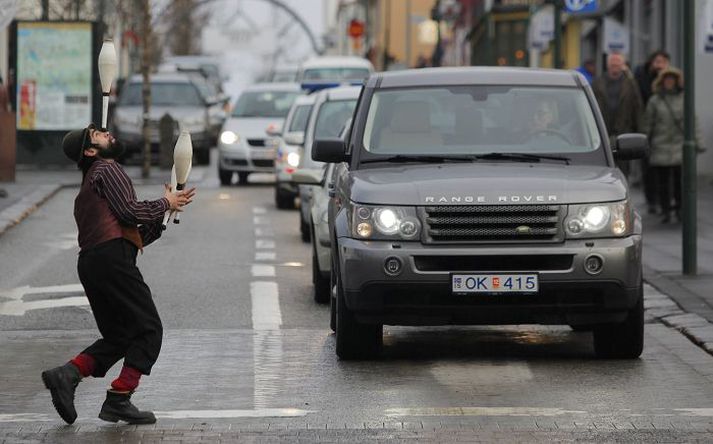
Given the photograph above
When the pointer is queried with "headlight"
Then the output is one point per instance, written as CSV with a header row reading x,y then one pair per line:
x,y
598,220
385,223
228,138
293,159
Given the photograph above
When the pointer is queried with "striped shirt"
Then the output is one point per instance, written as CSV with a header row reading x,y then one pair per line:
x,y
112,183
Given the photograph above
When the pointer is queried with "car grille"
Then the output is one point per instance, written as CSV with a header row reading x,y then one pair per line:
x,y
256,142
263,162
492,223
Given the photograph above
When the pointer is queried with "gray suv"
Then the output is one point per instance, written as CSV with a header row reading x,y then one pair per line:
x,y
483,196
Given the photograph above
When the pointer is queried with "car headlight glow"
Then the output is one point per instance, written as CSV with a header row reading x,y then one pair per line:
x,y
598,220
385,223
293,159
228,137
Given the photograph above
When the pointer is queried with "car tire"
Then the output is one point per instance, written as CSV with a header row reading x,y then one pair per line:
x,y
332,309
243,178
226,176
283,200
304,230
202,156
355,340
624,340
322,287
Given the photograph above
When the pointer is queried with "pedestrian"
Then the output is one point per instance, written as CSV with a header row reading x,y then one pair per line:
x,y
619,101
588,70
113,227
663,122
645,75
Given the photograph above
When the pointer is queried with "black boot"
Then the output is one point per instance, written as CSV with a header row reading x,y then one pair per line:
x,y
62,382
118,407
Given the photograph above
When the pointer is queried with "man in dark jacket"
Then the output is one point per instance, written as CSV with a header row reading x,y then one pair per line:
x,y
619,100
113,227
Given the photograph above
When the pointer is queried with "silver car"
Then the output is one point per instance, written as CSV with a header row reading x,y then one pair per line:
x,y
331,110
243,147
183,97
290,142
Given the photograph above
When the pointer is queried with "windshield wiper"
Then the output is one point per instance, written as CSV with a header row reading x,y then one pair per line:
x,y
425,159
521,157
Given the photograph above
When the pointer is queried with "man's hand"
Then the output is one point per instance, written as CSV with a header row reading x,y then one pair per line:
x,y
178,200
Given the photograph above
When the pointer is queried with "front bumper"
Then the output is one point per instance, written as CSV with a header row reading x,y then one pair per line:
x,y
421,294
246,159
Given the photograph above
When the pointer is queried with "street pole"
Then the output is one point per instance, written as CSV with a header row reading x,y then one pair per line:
x,y
558,35
146,87
689,175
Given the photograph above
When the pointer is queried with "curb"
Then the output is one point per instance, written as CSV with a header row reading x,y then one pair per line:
x,y
18,211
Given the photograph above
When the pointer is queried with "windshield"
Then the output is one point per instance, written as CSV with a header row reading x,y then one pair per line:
x,y
332,117
471,120
300,117
264,104
336,74
164,94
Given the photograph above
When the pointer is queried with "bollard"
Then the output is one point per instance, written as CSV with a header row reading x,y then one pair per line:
x,y
167,139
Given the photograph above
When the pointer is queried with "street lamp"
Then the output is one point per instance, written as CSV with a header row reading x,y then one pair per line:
x,y
689,145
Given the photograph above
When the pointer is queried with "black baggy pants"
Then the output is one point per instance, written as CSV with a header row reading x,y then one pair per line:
x,y
668,181
123,308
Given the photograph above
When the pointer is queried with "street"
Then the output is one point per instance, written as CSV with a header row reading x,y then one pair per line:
x,y
248,355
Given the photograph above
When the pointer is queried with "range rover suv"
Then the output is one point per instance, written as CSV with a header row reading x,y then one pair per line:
x,y
483,196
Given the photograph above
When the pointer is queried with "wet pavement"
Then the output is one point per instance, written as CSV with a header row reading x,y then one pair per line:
x,y
248,356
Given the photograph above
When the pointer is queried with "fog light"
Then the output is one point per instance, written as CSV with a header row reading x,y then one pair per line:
x,y
393,266
618,227
593,264
364,229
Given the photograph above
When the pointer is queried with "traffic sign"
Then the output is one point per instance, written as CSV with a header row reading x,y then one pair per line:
x,y
356,28
580,6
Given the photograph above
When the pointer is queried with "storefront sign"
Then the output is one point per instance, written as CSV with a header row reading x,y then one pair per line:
x,y
707,27
616,37
542,29
580,6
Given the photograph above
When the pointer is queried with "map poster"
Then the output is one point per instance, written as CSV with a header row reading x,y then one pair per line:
x,y
54,75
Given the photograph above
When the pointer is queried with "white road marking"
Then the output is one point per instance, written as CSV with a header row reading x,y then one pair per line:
x,y
15,306
257,413
265,255
26,417
265,300
259,210
482,411
261,220
263,271
264,244
266,232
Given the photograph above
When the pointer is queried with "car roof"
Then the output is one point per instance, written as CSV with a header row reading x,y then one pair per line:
x,y
474,76
337,62
306,99
278,86
340,93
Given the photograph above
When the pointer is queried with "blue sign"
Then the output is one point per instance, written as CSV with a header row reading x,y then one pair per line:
x,y
580,6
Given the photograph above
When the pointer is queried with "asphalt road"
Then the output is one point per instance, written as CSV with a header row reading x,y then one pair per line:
x,y
248,355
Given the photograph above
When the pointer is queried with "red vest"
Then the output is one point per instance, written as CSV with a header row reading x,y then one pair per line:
x,y
95,221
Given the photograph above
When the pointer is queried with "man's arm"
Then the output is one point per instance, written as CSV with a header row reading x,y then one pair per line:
x,y
113,184
150,232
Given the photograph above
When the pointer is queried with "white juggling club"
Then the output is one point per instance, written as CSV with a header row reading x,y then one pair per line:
x,y
182,159
177,216
173,188
107,73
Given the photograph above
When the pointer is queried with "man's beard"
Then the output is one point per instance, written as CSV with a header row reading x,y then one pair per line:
x,y
115,150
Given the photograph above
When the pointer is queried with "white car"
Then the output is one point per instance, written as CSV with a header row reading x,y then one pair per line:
x,y
331,110
290,143
243,146
329,71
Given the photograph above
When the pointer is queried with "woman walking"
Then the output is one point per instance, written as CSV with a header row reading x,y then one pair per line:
x,y
664,126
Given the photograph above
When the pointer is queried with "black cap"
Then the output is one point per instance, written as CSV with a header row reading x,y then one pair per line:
x,y
75,142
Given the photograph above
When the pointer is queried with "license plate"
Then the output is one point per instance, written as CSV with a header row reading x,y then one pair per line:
x,y
495,283
263,154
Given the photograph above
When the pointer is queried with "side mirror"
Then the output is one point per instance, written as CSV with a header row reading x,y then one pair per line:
x,y
274,130
332,150
296,139
308,176
631,146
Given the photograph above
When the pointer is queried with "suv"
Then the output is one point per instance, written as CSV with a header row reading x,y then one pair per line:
x,y
483,196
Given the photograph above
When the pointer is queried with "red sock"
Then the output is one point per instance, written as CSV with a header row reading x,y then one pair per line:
x,y
127,381
84,363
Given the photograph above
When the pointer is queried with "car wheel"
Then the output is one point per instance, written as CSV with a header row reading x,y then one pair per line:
x,y
355,340
332,309
284,201
243,178
226,177
304,230
322,286
624,340
202,156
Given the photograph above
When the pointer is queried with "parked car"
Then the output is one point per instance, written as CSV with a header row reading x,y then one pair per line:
x,y
483,196
332,108
181,96
330,71
242,147
290,143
